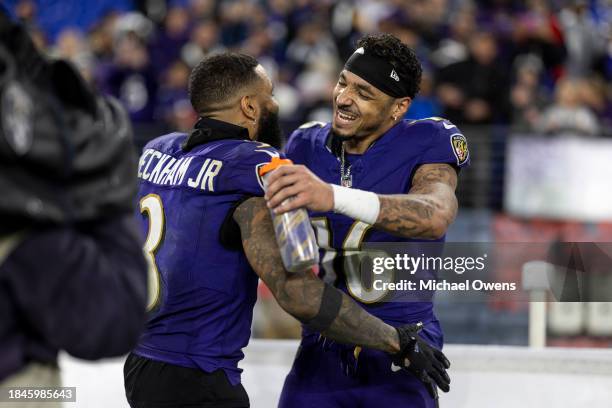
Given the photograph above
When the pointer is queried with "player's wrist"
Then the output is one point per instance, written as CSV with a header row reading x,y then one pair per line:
x,y
329,197
394,345
357,204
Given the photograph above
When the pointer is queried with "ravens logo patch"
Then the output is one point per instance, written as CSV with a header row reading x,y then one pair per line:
x,y
460,148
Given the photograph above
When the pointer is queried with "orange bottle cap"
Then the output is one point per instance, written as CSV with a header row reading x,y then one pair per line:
x,y
275,163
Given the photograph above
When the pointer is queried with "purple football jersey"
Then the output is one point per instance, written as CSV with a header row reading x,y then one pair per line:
x,y
335,375
328,374
386,167
202,304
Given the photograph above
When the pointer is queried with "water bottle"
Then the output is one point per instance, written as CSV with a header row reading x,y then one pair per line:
x,y
294,234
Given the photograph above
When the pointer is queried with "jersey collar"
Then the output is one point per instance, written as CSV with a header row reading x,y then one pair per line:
x,y
209,130
333,143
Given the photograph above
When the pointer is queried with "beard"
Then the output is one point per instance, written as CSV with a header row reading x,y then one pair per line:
x,y
339,137
269,129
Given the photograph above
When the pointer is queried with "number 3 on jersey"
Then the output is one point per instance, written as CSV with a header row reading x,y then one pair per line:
x,y
153,207
352,259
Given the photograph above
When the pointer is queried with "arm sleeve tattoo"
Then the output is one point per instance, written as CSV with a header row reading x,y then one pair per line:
x,y
427,210
300,294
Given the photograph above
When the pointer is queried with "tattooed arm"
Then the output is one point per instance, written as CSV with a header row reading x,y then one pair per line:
x,y
427,210
300,294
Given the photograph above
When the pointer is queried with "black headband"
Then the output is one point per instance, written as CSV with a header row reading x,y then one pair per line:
x,y
378,72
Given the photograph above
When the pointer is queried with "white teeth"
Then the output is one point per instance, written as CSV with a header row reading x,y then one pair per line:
x,y
344,116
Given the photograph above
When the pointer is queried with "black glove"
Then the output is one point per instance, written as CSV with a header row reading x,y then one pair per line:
x,y
427,363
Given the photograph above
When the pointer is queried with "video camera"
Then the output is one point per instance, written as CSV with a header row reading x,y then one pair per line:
x,y
66,153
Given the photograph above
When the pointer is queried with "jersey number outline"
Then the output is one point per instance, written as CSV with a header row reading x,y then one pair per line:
x,y
352,259
152,205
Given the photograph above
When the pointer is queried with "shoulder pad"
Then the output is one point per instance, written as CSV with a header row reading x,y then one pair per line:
x,y
435,120
311,124
251,147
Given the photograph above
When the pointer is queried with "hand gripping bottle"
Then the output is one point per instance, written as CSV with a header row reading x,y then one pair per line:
x,y
294,235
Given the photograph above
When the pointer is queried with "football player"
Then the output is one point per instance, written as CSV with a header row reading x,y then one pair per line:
x,y
370,176
209,237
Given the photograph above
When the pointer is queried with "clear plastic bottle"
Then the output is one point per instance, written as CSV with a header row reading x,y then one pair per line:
x,y
294,234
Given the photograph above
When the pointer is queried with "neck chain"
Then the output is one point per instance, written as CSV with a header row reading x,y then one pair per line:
x,y
346,179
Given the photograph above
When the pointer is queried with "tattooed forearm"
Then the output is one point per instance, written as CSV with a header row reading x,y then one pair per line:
x,y
427,210
356,326
300,294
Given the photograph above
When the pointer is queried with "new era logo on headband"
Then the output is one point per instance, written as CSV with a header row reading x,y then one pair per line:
x,y
377,71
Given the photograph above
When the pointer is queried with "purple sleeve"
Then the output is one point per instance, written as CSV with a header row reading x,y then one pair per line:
x,y
243,174
448,145
300,143
83,290
292,148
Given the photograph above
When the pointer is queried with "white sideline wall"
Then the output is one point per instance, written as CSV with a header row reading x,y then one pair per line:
x,y
482,377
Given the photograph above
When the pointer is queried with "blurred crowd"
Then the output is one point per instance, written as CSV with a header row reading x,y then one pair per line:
x,y
536,66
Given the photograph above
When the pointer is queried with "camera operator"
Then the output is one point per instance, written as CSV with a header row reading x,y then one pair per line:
x,y
72,272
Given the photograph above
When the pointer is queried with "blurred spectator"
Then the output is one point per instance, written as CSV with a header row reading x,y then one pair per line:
x,y
454,48
204,40
569,114
202,9
135,24
132,79
166,45
427,17
592,92
312,57
289,102
234,16
537,31
277,26
582,39
409,36
603,68
603,64
425,105
38,38
474,91
527,96
25,10
101,39
315,87
173,99
312,45
259,44
370,13
72,46
182,116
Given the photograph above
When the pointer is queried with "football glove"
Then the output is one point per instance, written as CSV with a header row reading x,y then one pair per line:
x,y
427,363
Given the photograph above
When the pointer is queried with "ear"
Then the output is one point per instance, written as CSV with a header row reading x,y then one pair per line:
x,y
401,107
249,107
